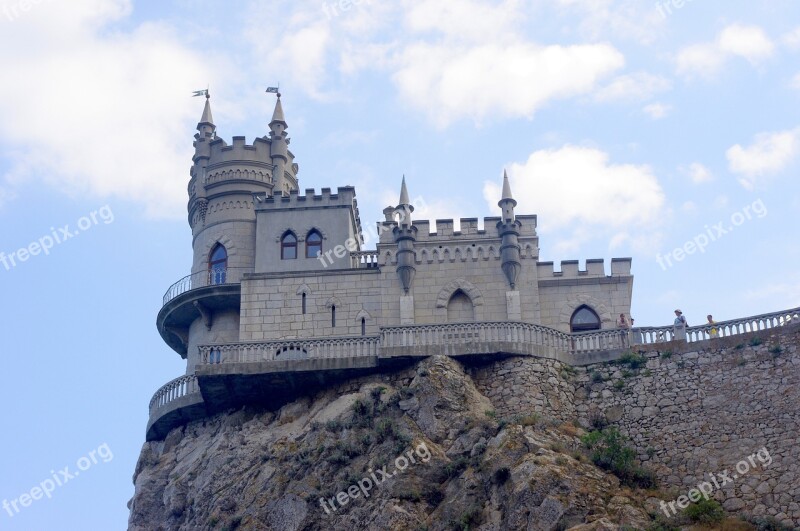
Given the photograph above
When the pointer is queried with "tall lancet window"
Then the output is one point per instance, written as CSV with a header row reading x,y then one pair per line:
x,y
288,246
313,244
217,265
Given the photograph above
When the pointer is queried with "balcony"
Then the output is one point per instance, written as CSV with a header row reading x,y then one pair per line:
x,y
273,372
188,298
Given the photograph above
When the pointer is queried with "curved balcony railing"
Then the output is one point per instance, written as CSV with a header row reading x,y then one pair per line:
x,y
649,335
290,349
201,279
179,387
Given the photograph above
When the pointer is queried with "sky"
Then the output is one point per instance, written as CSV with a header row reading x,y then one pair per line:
x,y
667,132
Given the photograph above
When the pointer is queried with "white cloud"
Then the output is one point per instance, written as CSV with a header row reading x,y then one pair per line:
x,y
769,153
749,42
796,81
698,173
576,189
656,111
792,39
637,86
497,81
706,59
604,19
97,111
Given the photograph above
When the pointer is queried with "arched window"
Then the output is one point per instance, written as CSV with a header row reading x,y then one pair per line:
x,y
304,303
363,326
288,246
584,319
313,244
460,308
217,264
333,316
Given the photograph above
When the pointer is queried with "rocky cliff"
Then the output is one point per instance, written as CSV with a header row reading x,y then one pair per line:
x,y
496,445
417,449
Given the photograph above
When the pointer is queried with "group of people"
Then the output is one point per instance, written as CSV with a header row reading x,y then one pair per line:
x,y
679,326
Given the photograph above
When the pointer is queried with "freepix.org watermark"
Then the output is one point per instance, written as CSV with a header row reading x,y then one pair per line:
x,y
705,488
712,234
57,236
365,484
14,10
46,487
664,7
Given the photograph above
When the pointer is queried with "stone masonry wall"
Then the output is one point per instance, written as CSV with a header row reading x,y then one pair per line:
x,y
698,413
521,385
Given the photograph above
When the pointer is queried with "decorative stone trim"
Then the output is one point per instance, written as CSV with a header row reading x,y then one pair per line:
x,y
459,284
575,301
303,289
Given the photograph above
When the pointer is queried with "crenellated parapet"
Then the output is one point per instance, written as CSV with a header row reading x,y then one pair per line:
x,y
595,268
445,231
345,197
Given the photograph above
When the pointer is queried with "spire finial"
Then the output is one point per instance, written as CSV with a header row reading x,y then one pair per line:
x,y
206,119
506,186
404,193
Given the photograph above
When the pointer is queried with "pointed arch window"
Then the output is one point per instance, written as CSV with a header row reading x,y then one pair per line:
x,y
304,303
217,264
583,319
363,326
288,246
333,316
313,244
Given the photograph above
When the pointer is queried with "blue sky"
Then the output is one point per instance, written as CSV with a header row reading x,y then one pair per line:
x,y
630,130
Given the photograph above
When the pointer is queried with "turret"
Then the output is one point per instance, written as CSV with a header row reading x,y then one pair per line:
x,y
405,234
279,150
508,227
202,153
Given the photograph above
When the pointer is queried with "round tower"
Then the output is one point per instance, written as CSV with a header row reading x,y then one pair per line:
x,y
204,306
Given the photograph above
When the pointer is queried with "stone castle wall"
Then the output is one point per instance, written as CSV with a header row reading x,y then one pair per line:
x,y
690,415
698,413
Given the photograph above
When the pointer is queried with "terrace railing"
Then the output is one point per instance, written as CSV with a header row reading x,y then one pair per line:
x,y
290,349
209,277
179,387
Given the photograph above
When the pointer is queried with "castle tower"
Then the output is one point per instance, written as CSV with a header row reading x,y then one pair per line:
x,y
223,182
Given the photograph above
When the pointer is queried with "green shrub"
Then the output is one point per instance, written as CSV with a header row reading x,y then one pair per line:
x,y
632,360
619,384
755,341
775,349
610,452
705,512
667,354
433,495
384,429
597,377
766,523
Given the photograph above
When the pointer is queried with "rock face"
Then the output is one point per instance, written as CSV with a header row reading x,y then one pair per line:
x,y
492,446
417,449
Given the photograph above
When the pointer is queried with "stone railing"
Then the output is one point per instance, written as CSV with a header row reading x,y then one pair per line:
x,y
201,279
290,349
649,335
462,338
599,340
177,388
364,259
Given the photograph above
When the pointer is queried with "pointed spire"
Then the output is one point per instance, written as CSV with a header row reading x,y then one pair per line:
x,y
277,115
506,186
506,197
404,193
207,118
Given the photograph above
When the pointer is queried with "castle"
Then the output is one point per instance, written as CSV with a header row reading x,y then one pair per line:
x,y
282,295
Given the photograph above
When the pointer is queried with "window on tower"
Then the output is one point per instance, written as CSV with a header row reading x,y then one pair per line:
x,y
584,319
288,246
313,244
217,265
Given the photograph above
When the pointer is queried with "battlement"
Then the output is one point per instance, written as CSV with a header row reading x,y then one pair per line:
x,y
445,231
344,196
595,268
239,151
